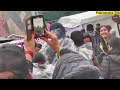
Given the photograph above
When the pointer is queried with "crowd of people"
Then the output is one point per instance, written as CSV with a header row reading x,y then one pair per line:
x,y
86,54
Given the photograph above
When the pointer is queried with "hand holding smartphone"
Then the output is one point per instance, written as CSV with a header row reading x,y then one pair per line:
x,y
37,25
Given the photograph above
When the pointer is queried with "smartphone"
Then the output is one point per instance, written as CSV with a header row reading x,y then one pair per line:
x,y
29,28
37,25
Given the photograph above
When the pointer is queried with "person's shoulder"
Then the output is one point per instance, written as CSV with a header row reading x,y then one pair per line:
x,y
88,45
67,42
112,36
68,39
114,58
73,60
87,51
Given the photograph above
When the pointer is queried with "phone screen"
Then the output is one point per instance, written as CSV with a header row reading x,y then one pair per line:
x,y
38,25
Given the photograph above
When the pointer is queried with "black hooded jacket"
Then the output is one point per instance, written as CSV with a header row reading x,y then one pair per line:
x,y
110,66
74,66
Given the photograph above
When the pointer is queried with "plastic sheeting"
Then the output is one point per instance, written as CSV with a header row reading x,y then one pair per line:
x,y
85,50
50,54
43,71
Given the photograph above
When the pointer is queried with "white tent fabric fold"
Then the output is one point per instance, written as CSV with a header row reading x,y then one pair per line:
x,y
75,20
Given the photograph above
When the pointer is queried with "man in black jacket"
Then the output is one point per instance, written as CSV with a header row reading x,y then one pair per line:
x,y
74,66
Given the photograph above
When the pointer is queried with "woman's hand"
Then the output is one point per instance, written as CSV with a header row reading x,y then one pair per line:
x,y
109,48
52,41
30,45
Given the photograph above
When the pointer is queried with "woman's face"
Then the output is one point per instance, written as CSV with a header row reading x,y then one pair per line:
x,y
86,40
104,32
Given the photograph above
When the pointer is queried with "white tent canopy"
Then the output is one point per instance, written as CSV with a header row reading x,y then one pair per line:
x,y
81,20
73,21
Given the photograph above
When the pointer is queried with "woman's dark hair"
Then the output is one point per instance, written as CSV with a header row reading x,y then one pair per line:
x,y
87,35
107,26
77,37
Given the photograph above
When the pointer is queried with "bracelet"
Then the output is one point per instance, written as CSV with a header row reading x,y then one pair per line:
x,y
58,54
30,53
60,50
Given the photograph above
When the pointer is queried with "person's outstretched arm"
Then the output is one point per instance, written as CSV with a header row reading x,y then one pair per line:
x,y
52,41
29,47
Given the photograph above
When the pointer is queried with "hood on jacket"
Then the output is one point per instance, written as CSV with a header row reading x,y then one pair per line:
x,y
75,66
